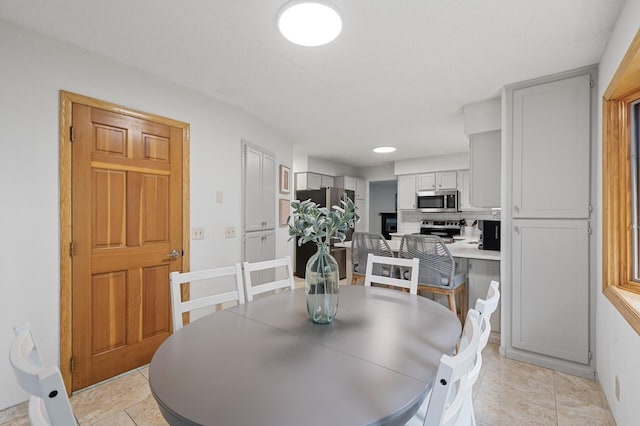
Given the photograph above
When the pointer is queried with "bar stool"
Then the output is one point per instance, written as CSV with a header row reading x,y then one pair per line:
x,y
437,269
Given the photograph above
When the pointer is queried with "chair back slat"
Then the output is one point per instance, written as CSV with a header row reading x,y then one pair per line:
x,y
178,306
274,284
49,403
406,265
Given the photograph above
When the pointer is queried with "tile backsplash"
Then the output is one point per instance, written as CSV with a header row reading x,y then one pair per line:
x,y
409,221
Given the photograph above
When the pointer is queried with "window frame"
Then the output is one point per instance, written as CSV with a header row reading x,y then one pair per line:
x,y
617,240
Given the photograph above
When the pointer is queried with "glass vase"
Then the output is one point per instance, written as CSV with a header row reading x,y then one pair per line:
x,y
322,286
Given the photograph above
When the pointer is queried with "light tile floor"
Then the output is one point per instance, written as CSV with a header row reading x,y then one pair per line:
x,y
507,393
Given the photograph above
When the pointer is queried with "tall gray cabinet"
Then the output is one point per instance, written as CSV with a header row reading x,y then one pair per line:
x,y
259,200
548,251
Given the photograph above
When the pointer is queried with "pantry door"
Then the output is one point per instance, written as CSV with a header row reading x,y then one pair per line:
x,y
127,236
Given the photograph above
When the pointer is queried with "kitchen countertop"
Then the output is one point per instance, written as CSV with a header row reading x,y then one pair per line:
x,y
463,249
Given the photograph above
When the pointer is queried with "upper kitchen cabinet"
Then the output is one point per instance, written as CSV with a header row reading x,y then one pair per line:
x,y
551,141
406,192
260,189
485,163
358,185
307,181
438,181
326,181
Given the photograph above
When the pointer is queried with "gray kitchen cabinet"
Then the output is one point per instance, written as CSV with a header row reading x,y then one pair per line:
x,y
437,181
307,180
550,312
259,246
551,149
464,189
484,168
259,190
406,192
362,210
480,274
346,182
358,185
548,255
326,181
362,189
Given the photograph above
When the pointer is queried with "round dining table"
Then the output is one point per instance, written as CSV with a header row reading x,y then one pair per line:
x,y
266,363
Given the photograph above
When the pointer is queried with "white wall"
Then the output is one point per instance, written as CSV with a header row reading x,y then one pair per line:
x,y
377,173
617,344
329,168
33,71
432,164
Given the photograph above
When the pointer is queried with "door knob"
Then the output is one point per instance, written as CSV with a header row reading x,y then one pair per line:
x,y
174,254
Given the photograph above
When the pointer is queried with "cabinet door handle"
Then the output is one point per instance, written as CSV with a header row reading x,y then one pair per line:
x,y
516,209
516,229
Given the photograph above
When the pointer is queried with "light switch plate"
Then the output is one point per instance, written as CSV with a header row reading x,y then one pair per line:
x,y
197,233
230,232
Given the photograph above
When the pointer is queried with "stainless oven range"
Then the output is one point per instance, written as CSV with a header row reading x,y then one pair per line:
x,y
441,228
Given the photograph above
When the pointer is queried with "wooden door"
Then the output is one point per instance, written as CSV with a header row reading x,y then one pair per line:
x,y
127,207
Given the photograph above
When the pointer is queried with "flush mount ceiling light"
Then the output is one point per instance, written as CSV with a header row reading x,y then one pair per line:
x,y
384,149
309,23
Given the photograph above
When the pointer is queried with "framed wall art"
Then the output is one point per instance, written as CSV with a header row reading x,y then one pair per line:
x,y
284,211
285,178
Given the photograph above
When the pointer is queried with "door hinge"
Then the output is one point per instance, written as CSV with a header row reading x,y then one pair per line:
x,y
589,230
72,249
590,208
72,364
589,355
591,83
71,135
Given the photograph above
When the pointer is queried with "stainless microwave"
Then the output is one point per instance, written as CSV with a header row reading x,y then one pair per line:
x,y
437,201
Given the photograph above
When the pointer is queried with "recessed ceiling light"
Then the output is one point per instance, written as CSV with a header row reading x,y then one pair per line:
x,y
309,23
384,149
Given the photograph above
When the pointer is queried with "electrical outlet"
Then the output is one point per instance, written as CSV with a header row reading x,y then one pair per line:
x,y
617,389
197,233
230,232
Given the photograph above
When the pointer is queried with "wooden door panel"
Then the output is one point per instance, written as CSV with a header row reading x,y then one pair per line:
x,y
109,201
154,214
156,148
154,285
110,140
108,322
130,217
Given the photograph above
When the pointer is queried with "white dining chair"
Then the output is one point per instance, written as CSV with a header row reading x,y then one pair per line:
x,y
446,403
177,279
372,274
272,284
485,308
49,403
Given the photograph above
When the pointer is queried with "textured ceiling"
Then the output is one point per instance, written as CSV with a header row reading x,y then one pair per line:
x,y
398,74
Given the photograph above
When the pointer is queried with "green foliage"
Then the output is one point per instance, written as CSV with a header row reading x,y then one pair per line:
x,y
319,224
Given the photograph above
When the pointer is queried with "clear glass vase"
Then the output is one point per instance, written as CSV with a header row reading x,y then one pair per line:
x,y
322,286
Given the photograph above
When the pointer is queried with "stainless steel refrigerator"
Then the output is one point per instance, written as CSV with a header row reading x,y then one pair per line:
x,y
325,197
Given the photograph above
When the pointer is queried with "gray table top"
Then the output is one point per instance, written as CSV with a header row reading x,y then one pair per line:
x,y
266,363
